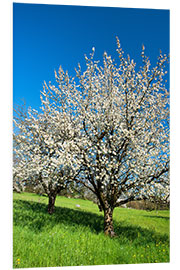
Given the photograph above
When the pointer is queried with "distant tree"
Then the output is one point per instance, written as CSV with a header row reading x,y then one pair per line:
x,y
118,115
41,145
160,195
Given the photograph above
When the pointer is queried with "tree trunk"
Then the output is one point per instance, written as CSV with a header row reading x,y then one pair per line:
x,y
52,198
108,222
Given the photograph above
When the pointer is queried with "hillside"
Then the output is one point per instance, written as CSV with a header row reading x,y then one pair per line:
x,y
74,235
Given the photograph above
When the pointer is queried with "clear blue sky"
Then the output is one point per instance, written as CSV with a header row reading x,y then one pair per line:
x,y
47,36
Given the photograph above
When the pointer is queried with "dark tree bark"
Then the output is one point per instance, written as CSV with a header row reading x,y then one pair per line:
x,y
52,198
108,221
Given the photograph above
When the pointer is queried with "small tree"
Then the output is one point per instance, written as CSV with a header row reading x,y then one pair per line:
x,y
41,145
160,195
120,117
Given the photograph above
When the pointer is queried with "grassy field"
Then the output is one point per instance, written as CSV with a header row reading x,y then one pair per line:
x,y
74,236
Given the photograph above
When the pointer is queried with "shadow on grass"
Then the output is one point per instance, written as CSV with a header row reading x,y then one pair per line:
x,y
167,218
34,216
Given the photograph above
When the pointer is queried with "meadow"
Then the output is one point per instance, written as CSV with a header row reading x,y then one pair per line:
x,y
73,236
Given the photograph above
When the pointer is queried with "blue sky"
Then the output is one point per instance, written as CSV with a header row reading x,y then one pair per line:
x,y
47,36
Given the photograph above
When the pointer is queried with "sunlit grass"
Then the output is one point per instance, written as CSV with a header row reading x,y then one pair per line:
x,y
74,236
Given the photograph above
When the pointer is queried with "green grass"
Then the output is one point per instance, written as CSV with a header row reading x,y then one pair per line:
x,y
74,236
